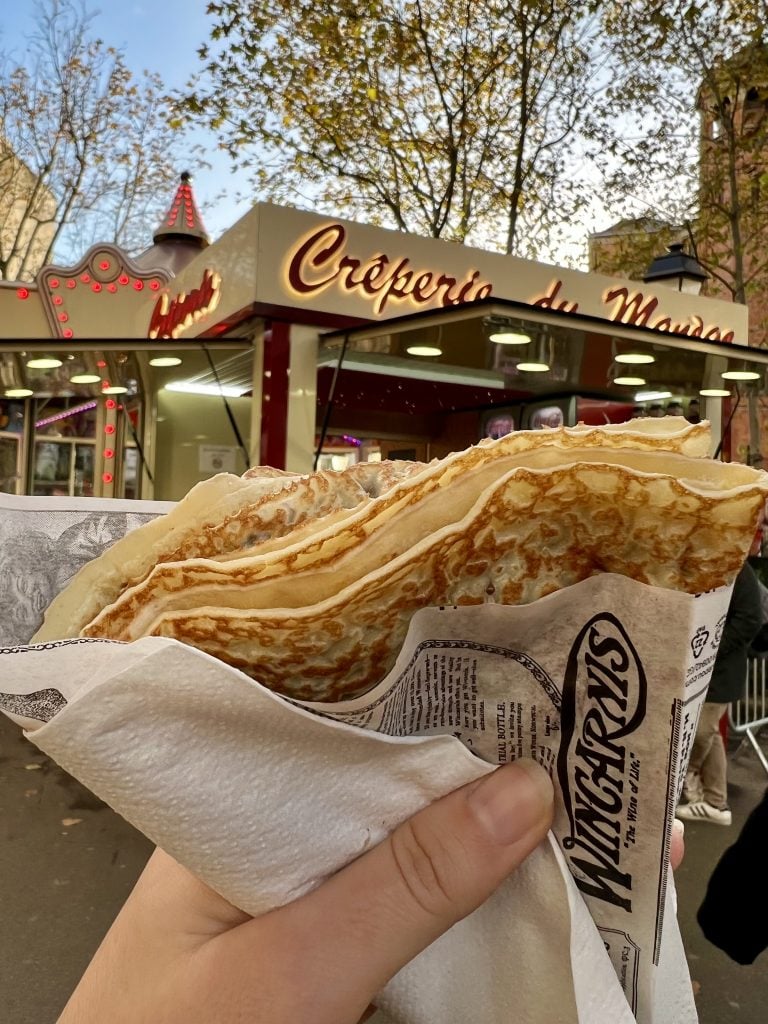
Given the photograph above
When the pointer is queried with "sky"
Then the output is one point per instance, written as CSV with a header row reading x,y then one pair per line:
x,y
164,37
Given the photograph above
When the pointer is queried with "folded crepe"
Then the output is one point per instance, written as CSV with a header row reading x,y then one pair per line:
x,y
318,610
218,519
226,516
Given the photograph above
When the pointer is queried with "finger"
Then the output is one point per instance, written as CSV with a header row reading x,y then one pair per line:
x,y
677,846
354,932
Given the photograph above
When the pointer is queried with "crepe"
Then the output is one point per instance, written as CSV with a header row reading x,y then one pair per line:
x,y
319,609
227,516
530,533
220,517
329,556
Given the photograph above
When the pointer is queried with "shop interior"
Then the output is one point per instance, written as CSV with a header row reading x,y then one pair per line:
x,y
127,419
423,385
111,422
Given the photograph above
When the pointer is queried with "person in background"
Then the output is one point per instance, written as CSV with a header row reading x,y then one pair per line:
x,y
674,408
694,414
736,883
705,792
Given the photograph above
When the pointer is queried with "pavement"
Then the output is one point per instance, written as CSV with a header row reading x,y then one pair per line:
x,y
67,863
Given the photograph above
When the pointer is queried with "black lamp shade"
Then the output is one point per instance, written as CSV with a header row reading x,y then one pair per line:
x,y
677,269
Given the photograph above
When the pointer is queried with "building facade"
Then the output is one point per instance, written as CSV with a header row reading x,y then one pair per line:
x,y
299,340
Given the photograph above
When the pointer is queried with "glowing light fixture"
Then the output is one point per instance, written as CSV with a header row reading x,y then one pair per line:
x,y
635,357
188,387
533,367
85,378
740,375
165,361
74,411
636,382
652,396
114,389
44,363
424,350
18,393
715,393
508,337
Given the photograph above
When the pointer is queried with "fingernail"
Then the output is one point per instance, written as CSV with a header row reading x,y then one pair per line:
x,y
678,826
512,800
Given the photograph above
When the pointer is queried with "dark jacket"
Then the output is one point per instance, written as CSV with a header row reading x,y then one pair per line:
x,y
734,914
744,618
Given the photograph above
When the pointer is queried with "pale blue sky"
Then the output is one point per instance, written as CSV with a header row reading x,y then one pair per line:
x,y
162,36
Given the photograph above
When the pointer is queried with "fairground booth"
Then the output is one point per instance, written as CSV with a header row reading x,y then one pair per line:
x,y
298,340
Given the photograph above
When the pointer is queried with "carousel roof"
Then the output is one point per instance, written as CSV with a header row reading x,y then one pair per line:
x,y
183,218
181,235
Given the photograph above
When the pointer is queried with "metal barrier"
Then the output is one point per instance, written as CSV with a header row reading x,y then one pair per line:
x,y
751,712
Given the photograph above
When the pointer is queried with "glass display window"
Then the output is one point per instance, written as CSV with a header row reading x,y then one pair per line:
x,y
63,467
10,470
85,458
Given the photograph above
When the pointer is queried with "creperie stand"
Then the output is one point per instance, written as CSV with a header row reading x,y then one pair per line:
x,y
300,340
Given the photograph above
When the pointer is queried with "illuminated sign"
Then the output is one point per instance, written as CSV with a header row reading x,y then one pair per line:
x,y
636,309
172,316
320,261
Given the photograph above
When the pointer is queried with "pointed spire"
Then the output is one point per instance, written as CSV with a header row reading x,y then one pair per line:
x,y
183,221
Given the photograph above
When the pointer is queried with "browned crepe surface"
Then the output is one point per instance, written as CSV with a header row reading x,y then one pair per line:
x,y
319,609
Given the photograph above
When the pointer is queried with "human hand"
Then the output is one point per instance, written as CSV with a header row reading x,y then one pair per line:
x,y
677,846
178,953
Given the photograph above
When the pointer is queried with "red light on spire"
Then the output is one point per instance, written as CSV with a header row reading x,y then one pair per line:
x,y
22,293
107,478
110,403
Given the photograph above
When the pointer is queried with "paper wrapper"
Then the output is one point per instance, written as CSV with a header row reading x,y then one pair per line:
x,y
264,798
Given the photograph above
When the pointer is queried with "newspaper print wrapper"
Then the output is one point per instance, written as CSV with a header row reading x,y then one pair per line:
x,y
263,797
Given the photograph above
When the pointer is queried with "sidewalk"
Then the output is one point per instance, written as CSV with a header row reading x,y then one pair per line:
x,y
67,863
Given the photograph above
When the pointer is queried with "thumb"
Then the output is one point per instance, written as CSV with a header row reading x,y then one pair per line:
x,y
373,917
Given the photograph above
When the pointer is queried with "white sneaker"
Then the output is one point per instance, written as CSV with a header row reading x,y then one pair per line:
x,y
702,811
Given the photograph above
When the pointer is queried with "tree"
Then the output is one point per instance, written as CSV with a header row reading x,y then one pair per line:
x,y
459,119
86,149
708,118
709,111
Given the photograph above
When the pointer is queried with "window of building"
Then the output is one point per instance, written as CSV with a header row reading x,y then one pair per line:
x,y
754,109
